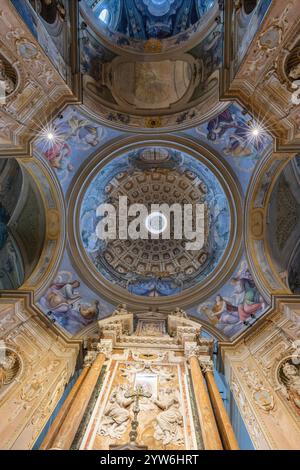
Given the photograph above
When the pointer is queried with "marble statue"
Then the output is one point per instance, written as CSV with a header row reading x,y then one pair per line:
x,y
295,76
178,312
116,415
9,367
292,387
7,84
169,421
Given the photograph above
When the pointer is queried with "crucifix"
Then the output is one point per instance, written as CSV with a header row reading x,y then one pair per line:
x,y
136,393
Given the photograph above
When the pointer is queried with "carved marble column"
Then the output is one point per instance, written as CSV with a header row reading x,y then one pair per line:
x,y
209,428
70,425
227,434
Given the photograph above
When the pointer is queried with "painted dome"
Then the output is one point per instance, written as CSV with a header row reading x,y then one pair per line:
x,y
146,19
159,263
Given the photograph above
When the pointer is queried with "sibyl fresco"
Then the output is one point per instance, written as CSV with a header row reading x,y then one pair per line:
x,y
236,305
228,133
70,304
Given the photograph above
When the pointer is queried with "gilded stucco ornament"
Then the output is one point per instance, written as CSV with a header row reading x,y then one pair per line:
x,y
206,364
10,367
153,46
179,312
260,394
288,378
202,349
106,347
249,417
121,310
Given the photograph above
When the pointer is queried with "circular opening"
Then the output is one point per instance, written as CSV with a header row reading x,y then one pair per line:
x,y
156,223
104,16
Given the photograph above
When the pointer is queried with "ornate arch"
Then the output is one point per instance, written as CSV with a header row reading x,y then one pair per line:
x,y
256,240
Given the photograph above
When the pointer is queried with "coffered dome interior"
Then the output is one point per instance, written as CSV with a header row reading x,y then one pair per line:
x,y
156,267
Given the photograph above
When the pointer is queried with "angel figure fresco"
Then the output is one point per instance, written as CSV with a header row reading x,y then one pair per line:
x,y
232,128
246,295
83,132
222,311
59,156
74,133
63,303
219,125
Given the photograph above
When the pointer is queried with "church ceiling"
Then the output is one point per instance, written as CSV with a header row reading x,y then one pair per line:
x,y
182,78
151,126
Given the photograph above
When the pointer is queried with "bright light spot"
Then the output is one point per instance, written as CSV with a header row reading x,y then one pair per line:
x,y
48,136
104,15
156,223
256,133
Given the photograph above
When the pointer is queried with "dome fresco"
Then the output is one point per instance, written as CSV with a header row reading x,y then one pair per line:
x,y
156,267
145,19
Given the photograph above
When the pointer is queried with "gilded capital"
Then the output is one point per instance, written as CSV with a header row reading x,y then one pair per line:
x,y
206,364
191,349
105,346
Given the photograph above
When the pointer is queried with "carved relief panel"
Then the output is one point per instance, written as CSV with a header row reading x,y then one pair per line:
x,y
264,374
165,417
35,366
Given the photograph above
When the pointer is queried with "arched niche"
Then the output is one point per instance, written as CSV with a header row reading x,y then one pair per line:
x,y
249,6
272,228
48,10
8,79
283,222
22,224
291,213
